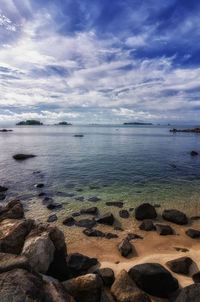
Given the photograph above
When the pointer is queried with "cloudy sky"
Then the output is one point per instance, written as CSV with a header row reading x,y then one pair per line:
x,y
101,61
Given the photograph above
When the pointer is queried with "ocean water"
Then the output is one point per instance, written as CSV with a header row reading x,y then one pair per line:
x,y
114,163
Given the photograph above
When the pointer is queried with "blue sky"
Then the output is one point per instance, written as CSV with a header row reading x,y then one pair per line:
x,y
100,61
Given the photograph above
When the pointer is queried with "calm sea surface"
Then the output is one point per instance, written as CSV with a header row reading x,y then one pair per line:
x,y
113,163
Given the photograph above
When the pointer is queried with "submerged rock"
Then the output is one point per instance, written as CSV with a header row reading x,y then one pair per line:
x,y
145,211
154,279
132,236
90,211
118,204
196,277
124,289
2,196
54,206
85,223
94,199
52,218
175,216
69,221
23,156
124,214
106,218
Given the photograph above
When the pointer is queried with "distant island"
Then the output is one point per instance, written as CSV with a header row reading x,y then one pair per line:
x,y
29,123
137,123
195,130
63,124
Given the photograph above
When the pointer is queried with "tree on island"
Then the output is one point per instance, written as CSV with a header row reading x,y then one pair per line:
x,y
29,123
63,124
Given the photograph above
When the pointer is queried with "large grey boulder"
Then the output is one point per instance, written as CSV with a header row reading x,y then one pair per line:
x,y
39,251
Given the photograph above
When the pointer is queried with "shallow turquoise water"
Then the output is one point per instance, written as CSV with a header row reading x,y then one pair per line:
x,y
114,163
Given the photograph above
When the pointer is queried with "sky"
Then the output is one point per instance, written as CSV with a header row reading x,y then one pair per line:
x,y
100,61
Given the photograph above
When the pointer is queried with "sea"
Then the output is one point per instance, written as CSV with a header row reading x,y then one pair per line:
x,y
127,163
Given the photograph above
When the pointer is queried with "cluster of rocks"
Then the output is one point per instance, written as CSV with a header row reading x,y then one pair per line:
x,y
35,266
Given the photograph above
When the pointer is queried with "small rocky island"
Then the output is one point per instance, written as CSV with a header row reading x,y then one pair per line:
x,y
138,124
195,130
63,124
29,123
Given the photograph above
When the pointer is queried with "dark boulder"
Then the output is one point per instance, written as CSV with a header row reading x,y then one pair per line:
x,y
23,156
163,229
189,293
85,223
118,204
2,196
154,279
90,211
47,201
69,221
145,211
124,214
106,218
193,233
181,265
80,264
76,214
147,225
125,247
194,153
79,198
52,218
54,206
40,185
93,233
175,216
3,189
107,275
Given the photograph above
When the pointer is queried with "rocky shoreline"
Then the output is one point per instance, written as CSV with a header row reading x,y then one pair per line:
x,y
35,264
